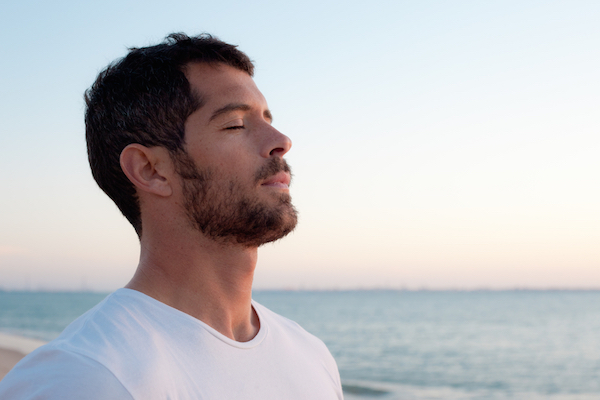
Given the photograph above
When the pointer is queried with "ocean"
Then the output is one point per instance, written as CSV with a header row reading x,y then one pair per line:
x,y
389,345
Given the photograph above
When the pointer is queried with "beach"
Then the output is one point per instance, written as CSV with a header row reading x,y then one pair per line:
x,y
13,348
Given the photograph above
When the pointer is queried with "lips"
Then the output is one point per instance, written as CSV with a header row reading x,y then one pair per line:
x,y
281,180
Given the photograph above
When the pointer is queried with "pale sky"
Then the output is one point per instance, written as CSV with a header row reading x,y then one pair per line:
x,y
436,144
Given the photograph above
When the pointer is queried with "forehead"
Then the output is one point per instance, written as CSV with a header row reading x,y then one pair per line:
x,y
219,84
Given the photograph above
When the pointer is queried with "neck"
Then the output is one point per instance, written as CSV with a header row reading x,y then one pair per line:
x,y
208,280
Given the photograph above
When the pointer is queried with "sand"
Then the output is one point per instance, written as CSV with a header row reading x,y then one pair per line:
x,y
13,348
8,359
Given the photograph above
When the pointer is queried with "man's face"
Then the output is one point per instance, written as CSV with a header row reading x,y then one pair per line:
x,y
234,179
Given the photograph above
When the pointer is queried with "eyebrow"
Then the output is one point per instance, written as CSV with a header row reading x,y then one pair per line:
x,y
237,107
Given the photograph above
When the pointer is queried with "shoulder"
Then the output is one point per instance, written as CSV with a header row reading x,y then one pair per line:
x,y
97,353
290,333
282,325
107,329
294,343
53,373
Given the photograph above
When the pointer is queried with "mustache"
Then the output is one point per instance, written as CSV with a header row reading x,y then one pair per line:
x,y
273,166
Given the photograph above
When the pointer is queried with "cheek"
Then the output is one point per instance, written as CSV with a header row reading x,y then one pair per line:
x,y
238,170
234,159
231,157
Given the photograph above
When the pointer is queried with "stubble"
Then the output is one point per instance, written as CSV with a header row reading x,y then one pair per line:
x,y
232,212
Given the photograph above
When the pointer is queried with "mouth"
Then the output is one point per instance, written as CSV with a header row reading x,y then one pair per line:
x,y
280,180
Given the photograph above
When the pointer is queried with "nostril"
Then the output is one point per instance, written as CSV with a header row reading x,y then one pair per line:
x,y
277,150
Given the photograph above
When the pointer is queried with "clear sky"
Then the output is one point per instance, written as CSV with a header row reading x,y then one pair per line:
x,y
436,144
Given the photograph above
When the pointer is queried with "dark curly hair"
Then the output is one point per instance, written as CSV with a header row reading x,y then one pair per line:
x,y
146,98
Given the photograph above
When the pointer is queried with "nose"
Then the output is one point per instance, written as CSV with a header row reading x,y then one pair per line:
x,y
277,145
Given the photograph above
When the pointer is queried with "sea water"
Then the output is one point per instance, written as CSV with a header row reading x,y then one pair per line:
x,y
496,345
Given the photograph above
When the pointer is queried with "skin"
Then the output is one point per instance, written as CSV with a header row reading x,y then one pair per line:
x,y
207,278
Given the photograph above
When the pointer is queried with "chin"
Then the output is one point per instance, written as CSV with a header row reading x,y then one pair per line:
x,y
272,227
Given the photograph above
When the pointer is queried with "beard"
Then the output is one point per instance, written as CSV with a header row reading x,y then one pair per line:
x,y
228,211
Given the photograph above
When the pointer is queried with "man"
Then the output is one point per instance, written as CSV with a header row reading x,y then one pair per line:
x,y
180,137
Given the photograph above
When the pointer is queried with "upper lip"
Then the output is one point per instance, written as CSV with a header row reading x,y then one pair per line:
x,y
280,177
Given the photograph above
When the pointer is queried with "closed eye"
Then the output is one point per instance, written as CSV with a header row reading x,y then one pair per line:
x,y
235,127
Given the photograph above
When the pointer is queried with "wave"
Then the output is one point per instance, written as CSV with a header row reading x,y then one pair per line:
x,y
370,390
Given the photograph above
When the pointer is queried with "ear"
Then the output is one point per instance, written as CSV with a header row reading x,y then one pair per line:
x,y
148,168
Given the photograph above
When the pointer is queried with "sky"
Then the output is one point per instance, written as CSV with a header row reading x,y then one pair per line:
x,y
436,144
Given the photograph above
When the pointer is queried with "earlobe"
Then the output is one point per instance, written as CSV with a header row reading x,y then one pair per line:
x,y
147,168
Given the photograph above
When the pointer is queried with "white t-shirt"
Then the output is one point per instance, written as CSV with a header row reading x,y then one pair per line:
x,y
131,346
